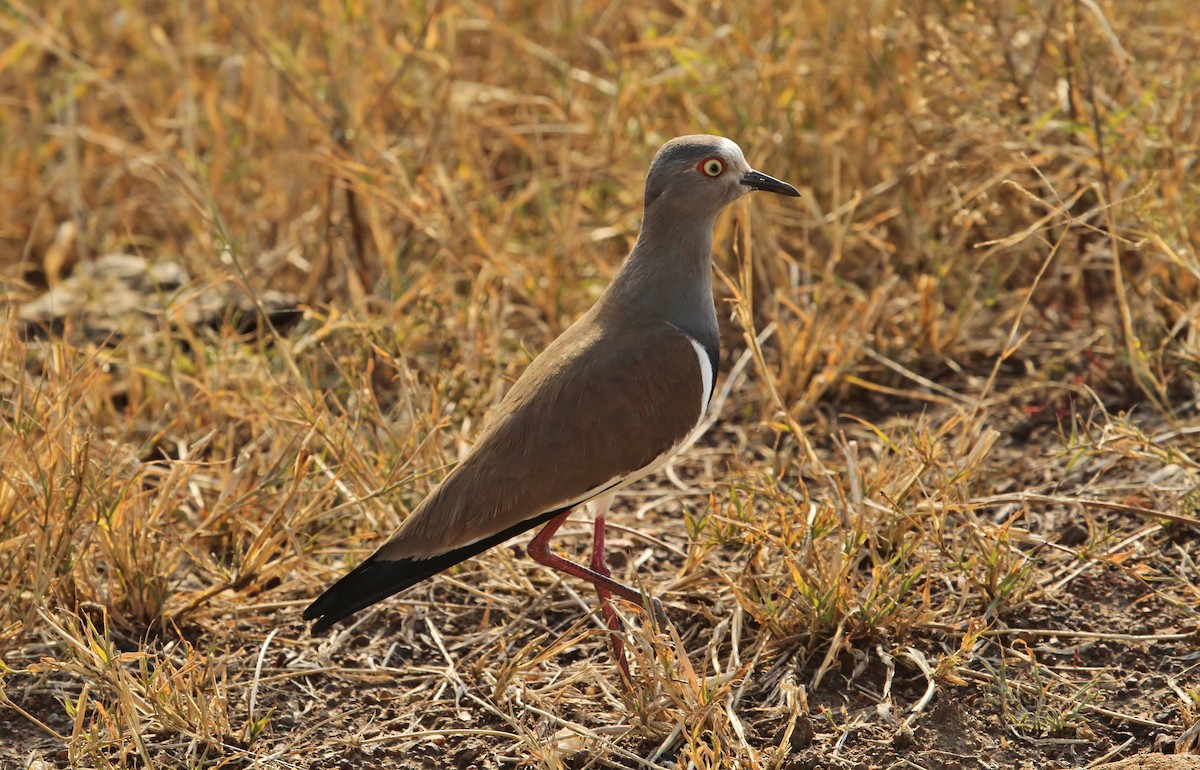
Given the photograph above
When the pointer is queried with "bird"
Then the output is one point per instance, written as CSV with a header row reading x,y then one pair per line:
x,y
605,404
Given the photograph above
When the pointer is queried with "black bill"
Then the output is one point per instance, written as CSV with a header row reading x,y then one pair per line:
x,y
760,181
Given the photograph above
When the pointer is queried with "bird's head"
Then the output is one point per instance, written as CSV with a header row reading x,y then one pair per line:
x,y
704,174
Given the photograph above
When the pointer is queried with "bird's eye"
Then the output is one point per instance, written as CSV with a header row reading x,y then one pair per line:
x,y
711,167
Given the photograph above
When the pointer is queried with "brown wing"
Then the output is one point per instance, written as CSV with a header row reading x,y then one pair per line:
x,y
597,405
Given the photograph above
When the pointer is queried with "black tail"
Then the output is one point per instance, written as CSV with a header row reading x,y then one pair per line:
x,y
376,579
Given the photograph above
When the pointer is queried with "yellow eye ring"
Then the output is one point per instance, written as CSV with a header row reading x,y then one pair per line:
x,y
713,167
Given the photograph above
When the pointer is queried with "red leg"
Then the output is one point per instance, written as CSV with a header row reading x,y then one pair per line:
x,y
598,575
600,567
539,551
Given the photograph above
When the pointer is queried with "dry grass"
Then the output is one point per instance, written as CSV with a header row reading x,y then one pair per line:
x,y
947,512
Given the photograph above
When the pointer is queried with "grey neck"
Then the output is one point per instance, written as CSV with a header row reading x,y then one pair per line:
x,y
668,275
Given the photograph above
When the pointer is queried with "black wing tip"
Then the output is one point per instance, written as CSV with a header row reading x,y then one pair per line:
x,y
321,626
324,622
372,581
376,579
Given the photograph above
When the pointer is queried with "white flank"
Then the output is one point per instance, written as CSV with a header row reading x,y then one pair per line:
x,y
706,377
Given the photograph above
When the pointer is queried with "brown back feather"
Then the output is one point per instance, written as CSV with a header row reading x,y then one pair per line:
x,y
603,400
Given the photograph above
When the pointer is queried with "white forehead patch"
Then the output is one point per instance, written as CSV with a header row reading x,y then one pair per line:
x,y
730,147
